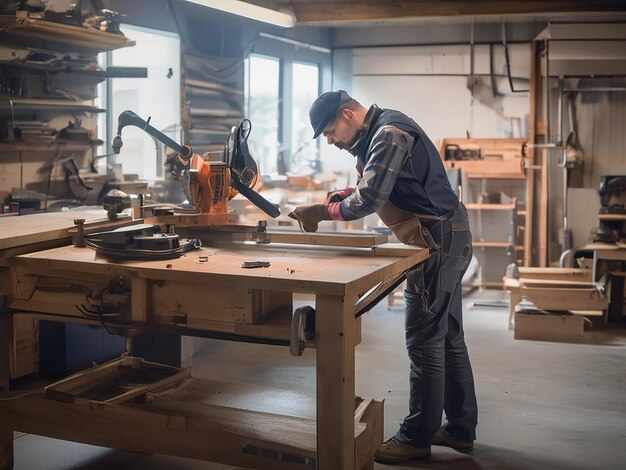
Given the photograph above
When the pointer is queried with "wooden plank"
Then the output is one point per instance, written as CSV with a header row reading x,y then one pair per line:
x,y
509,169
554,273
335,382
20,250
587,313
24,352
76,388
140,299
565,298
547,283
291,269
81,381
370,412
6,340
548,327
612,217
42,227
541,156
208,301
252,439
400,249
530,159
275,325
6,430
493,207
332,11
239,395
329,239
76,35
491,244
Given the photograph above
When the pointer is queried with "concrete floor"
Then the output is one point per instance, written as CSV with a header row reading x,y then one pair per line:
x,y
542,405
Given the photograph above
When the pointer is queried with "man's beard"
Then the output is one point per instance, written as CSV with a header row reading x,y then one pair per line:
x,y
347,146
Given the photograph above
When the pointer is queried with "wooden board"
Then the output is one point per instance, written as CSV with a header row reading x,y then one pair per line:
x,y
236,424
565,298
117,381
43,227
556,283
292,269
573,274
77,36
24,353
548,327
330,239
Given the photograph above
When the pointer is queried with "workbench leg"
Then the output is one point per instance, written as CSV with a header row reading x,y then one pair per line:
x,y
6,339
513,301
335,326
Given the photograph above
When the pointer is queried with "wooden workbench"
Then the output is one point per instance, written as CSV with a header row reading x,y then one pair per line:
x,y
207,290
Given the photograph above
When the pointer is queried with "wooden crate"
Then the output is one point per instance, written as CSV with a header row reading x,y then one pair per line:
x,y
117,381
548,327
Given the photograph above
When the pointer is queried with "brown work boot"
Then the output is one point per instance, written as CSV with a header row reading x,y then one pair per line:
x,y
442,438
393,451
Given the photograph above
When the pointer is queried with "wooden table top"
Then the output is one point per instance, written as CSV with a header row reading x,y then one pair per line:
x,y
294,268
45,226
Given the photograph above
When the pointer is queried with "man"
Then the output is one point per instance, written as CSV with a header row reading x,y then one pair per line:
x,y
402,179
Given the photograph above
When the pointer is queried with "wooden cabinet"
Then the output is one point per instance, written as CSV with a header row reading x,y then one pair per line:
x,y
493,188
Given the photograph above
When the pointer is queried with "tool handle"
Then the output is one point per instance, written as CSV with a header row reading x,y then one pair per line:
x,y
129,118
254,197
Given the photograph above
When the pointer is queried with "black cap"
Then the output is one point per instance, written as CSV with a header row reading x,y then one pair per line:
x,y
324,108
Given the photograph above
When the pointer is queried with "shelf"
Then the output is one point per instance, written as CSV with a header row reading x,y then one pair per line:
x,y
499,176
491,244
34,105
72,38
479,206
42,146
616,217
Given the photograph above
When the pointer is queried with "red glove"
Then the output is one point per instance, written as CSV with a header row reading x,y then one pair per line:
x,y
310,216
339,195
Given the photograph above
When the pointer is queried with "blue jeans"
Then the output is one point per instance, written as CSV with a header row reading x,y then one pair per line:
x,y
441,376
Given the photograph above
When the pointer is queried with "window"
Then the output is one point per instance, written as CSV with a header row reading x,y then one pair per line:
x,y
305,80
263,86
282,82
157,96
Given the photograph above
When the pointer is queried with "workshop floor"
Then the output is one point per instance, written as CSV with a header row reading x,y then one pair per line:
x,y
542,405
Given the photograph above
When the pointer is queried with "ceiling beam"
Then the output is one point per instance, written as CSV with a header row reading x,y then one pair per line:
x,y
330,11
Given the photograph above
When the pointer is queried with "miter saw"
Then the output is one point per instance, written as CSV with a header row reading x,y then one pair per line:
x,y
208,182
211,180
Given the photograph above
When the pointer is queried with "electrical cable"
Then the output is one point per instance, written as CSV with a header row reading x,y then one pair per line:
x,y
137,253
508,62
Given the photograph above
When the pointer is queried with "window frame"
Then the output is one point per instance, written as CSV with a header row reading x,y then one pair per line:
x,y
288,54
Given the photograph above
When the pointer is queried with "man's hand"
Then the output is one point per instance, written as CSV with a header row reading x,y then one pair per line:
x,y
339,195
310,216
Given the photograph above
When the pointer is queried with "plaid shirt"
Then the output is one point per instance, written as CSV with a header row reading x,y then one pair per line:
x,y
387,157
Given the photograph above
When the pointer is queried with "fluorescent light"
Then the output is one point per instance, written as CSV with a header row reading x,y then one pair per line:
x,y
248,10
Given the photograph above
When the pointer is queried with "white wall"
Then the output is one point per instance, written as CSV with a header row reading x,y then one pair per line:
x,y
157,96
430,84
